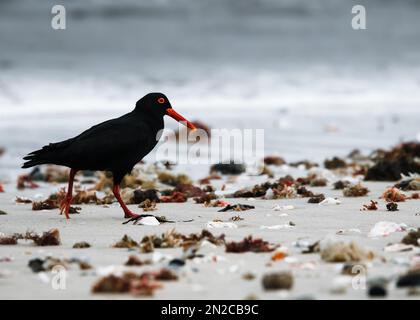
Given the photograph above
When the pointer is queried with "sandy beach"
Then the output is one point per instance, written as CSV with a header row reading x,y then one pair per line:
x,y
328,102
220,275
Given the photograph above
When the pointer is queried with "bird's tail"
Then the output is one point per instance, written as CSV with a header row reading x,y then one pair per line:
x,y
35,158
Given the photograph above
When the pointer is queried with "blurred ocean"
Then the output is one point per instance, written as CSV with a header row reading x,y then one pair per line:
x,y
295,68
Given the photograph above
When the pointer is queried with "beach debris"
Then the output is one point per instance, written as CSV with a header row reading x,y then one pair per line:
x,y
274,160
409,184
341,184
173,239
81,197
189,190
335,163
289,225
2,213
148,221
148,205
246,193
85,197
279,254
172,179
269,195
135,261
228,168
389,165
151,220
1,188
339,251
177,262
236,218
126,242
140,196
24,181
277,281
177,197
206,198
318,182
412,238
280,189
317,198
49,238
8,240
393,195
306,164
6,259
23,200
392,206
221,225
237,207
409,280
355,191
329,201
250,244
216,203
48,263
348,231
373,205
385,228
143,284
398,247
207,180
166,275
52,174
249,276
377,287
81,245
278,207
44,205
312,248
352,268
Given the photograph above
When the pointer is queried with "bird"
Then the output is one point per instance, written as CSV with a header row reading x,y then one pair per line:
x,y
116,145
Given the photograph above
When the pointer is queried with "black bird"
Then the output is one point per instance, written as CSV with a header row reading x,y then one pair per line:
x,y
115,145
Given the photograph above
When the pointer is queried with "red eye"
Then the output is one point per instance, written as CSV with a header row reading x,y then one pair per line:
x,y
161,100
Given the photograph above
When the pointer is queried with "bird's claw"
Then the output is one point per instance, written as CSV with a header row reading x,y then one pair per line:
x,y
65,207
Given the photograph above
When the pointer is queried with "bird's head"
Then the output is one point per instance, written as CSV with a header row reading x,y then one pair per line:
x,y
159,105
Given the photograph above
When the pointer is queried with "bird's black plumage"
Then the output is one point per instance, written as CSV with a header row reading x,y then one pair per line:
x,y
115,145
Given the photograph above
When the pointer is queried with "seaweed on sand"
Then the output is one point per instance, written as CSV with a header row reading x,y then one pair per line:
x,y
249,244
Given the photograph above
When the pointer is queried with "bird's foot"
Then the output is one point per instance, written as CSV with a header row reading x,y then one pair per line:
x,y
65,206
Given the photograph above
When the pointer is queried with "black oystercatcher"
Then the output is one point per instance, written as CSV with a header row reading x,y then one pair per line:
x,y
115,145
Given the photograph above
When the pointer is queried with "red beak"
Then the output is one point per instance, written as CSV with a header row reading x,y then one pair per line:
x,y
173,114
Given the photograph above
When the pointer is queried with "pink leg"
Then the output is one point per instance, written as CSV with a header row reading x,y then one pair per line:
x,y
127,212
65,204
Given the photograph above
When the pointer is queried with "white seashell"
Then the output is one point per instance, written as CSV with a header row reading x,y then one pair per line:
x,y
219,225
329,201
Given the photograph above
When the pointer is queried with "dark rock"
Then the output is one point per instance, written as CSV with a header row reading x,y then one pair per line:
x,y
278,281
412,238
142,195
228,168
392,206
411,279
335,163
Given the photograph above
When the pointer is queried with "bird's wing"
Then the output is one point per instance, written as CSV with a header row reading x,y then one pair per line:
x,y
108,143
116,142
